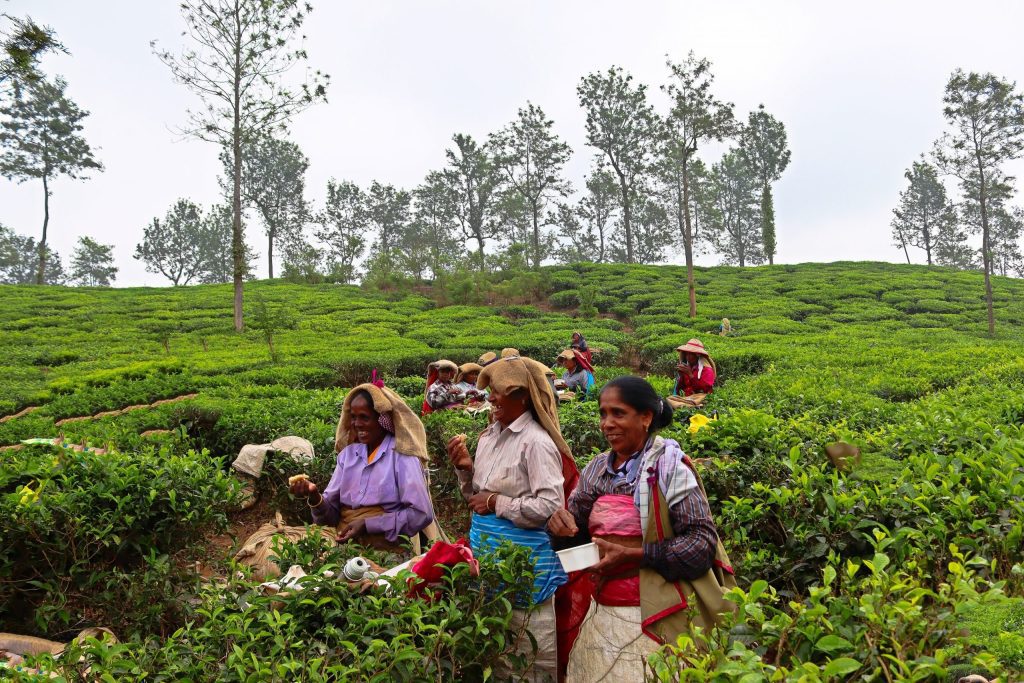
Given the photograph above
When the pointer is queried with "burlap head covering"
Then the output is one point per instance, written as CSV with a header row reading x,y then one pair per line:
x,y
410,436
487,358
444,364
514,372
467,368
509,353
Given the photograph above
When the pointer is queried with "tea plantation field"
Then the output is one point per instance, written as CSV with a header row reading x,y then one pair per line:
x,y
908,566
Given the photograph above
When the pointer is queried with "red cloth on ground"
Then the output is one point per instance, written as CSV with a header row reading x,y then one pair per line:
x,y
431,566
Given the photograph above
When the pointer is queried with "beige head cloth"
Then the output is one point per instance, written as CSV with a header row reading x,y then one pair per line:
x,y
511,373
444,364
487,357
509,352
467,368
410,436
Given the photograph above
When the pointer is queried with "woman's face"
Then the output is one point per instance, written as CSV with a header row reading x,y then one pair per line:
x,y
690,357
471,377
364,421
445,374
508,406
569,364
622,425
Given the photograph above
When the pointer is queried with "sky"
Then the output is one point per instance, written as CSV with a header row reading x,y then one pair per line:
x,y
858,85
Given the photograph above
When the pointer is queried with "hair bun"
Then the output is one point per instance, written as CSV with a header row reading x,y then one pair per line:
x,y
664,417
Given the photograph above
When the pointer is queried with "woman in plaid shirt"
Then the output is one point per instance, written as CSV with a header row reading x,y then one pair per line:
x,y
610,506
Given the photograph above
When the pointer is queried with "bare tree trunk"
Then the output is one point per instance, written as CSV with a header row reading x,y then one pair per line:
x,y
688,243
905,252
41,274
627,224
536,239
237,248
986,257
270,253
480,247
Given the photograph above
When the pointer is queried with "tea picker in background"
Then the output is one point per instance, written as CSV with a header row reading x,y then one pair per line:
x,y
378,491
725,329
645,508
441,390
517,480
579,374
578,343
465,382
695,372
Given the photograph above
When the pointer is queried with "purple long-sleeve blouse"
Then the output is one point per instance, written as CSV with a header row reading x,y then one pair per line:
x,y
393,481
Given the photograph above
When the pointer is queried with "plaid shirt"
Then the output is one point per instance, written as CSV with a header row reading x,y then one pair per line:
x,y
692,550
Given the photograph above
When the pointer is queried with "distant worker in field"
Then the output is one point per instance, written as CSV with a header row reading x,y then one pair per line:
x,y
578,343
579,374
725,329
695,372
378,491
465,382
441,391
517,480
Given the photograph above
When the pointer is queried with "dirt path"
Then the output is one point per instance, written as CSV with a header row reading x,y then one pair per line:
x,y
20,413
122,411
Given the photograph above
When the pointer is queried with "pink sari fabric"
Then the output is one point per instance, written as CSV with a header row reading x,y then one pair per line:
x,y
615,516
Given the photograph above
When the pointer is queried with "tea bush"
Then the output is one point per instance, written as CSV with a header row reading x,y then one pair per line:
x,y
893,359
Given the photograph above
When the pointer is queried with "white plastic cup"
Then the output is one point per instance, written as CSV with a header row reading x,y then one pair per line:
x,y
580,557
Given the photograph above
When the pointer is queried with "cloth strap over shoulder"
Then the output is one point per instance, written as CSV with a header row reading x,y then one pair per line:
x,y
664,605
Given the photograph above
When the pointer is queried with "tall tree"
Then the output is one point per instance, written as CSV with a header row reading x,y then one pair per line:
x,y
737,234
696,118
765,149
471,182
19,260
178,246
431,243
388,211
1007,227
622,125
951,247
219,263
22,43
652,231
274,182
532,158
240,53
92,263
343,228
923,211
40,136
986,114
586,229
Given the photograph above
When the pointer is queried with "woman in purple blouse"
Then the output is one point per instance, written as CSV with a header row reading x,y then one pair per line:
x,y
378,492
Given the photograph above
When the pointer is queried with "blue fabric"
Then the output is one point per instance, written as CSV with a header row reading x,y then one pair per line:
x,y
487,532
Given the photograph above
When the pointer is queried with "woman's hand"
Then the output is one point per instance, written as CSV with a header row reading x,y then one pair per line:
x,y
303,488
613,554
562,523
483,503
684,369
458,453
352,530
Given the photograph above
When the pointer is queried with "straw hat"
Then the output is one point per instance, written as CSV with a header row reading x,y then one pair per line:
x,y
509,353
566,355
693,346
486,358
444,364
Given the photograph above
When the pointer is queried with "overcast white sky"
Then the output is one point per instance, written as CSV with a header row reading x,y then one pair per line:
x,y
858,85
